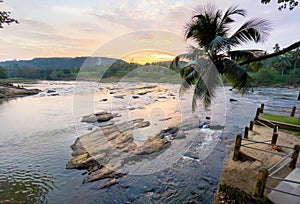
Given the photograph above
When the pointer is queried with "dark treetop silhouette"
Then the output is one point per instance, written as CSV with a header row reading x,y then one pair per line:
x,y
5,18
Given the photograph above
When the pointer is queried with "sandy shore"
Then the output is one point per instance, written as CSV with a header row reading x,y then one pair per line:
x,y
243,175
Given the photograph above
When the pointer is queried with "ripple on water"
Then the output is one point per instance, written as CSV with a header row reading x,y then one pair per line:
x,y
24,186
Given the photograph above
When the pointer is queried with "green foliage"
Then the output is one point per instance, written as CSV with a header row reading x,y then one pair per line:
x,y
92,68
55,68
3,73
279,71
294,77
265,76
119,69
291,4
5,18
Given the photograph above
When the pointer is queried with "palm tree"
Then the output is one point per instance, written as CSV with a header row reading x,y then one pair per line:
x,y
295,56
209,29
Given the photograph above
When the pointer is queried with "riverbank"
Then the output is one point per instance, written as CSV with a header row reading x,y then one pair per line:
x,y
240,177
8,91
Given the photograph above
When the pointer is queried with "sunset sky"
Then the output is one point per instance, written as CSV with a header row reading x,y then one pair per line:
x,y
69,28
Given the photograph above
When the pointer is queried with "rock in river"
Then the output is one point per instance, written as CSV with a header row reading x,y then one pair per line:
x,y
108,151
10,91
97,117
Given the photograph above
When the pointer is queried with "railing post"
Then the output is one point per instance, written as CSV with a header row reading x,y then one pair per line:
x,y
298,99
293,111
237,147
261,182
295,156
246,132
275,135
251,125
262,106
257,113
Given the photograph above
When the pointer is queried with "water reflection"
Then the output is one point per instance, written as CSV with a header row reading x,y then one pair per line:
x,y
24,186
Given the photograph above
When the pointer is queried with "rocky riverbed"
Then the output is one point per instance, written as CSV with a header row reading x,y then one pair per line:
x,y
186,170
140,130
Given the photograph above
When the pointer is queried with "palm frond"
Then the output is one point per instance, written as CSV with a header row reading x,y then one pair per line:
x,y
188,81
243,55
206,85
237,76
219,43
183,62
256,30
199,92
201,29
233,10
255,66
239,55
227,19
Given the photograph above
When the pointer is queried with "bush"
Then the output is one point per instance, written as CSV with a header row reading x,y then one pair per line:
x,y
3,73
265,76
294,77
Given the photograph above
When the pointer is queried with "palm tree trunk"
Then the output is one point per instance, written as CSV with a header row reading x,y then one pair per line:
x,y
283,51
295,65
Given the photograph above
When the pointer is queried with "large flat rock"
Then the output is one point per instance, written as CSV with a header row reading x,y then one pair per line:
x,y
108,151
10,91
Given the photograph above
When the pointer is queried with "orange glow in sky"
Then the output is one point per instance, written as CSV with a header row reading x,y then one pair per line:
x,y
143,57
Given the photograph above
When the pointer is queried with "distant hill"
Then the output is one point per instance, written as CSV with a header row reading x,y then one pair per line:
x,y
57,62
63,68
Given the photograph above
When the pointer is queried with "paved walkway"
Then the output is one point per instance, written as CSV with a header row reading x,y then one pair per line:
x,y
281,198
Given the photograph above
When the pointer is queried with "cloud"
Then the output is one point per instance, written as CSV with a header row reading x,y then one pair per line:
x,y
75,27
143,15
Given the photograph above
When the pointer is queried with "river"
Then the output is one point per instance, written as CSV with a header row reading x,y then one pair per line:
x,y
37,131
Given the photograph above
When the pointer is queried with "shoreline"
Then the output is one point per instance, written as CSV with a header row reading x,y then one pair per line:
x,y
121,79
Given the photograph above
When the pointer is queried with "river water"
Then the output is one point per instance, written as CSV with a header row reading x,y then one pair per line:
x,y
37,131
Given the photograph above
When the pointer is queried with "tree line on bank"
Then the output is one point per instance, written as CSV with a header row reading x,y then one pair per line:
x,y
283,70
69,68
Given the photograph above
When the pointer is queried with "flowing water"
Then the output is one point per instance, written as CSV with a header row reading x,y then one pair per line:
x,y
36,133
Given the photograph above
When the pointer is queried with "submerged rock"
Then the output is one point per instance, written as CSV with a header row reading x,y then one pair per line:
x,y
51,91
119,96
109,183
55,94
97,117
164,119
143,92
108,151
